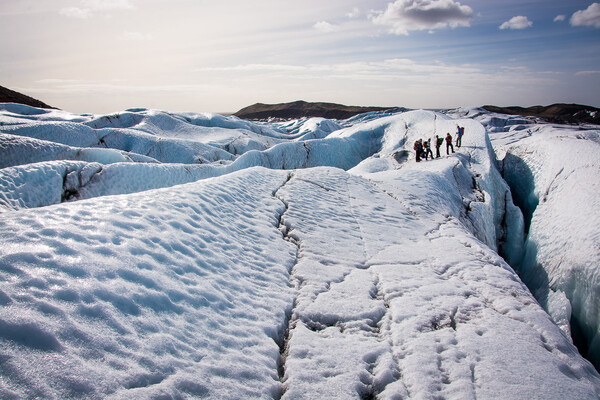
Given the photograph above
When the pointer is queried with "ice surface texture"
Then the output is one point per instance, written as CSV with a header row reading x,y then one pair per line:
x,y
181,292
556,173
227,279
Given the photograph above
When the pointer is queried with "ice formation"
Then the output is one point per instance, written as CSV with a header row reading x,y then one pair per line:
x,y
555,178
149,254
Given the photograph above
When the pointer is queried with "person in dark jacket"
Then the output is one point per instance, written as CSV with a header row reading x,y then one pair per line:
x,y
438,143
427,149
418,150
449,144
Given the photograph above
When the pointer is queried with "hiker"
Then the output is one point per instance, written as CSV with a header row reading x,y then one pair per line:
x,y
459,134
418,150
427,149
438,144
449,143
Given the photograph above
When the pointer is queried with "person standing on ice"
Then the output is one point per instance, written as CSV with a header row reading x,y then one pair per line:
x,y
418,150
449,144
438,144
459,134
427,149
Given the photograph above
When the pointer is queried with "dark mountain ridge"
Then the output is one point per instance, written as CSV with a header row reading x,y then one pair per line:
x,y
299,109
10,96
559,113
556,113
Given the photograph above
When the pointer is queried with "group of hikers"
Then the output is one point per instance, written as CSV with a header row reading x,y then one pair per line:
x,y
423,148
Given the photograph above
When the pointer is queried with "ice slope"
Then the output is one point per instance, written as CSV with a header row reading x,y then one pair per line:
x,y
163,149
193,306
554,172
19,150
253,282
482,200
295,152
393,302
199,303
309,128
197,146
166,137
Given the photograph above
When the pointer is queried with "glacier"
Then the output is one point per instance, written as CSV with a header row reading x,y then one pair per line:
x,y
152,254
555,178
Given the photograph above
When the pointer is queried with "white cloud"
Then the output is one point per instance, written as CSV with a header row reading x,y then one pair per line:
x,y
325,27
586,73
560,18
514,69
136,36
588,17
254,67
403,16
99,5
354,13
518,22
379,70
90,7
86,87
55,81
75,12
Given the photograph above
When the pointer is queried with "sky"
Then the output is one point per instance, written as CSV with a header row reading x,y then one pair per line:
x,y
102,56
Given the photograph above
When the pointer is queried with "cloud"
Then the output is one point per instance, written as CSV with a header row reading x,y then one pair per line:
x,y
379,70
354,13
404,81
403,16
560,18
75,12
122,87
54,81
518,22
254,67
100,5
588,17
325,27
513,69
587,73
136,36
90,7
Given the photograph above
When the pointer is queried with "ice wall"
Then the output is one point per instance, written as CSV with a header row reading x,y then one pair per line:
x,y
553,173
559,181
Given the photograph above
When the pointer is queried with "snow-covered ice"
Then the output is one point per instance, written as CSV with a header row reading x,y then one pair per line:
x,y
555,178
305,259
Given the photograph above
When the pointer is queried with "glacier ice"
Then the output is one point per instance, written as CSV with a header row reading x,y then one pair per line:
x,y
554,174
301,259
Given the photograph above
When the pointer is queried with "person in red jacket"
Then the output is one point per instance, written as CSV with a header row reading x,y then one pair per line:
x,y
449,143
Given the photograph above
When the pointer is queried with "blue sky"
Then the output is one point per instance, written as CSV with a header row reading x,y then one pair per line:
x,y
100,56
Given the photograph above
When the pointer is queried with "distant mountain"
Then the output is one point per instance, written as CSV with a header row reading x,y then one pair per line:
x,y
299,109
10,96
556,113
